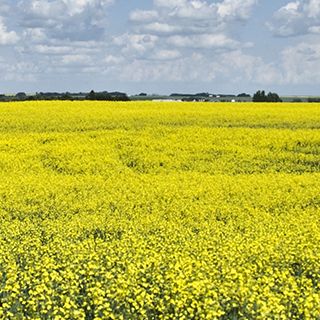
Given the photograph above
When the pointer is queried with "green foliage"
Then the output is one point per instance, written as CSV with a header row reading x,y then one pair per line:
x,y
260,96
106,96
244,95
314,99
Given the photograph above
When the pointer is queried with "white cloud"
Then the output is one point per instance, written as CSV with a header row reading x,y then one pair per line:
x,y
201,9
237,9
194,41
164,28
188,24
301,63
185,69
111,59
143,15
166,55
34,35
46,9
195,10
7,37
183,40
19,72
76,59
61,34
50,9
314,29
78,6
296,18
51,50
313,8
61,48
66,19
233,66
206,41
136,43
169,3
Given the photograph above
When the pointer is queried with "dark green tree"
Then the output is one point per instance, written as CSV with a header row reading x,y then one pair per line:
x,y
260,96
273,97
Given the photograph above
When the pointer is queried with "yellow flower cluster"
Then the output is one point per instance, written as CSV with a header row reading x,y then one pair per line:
x,y
145,210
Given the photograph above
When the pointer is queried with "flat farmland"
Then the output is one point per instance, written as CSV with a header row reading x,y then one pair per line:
x,y
148,210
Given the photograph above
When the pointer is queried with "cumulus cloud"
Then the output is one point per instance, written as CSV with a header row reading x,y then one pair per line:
x,y
174,29
173,66
206,41
76,59
161,28
49,9
201,9
35,35
66,19
162,42
143,15
19,72
296,18
301,63
111,59
191,68
7,37
166,55
60,48
235,9
54,35
178,41
192,16
136,43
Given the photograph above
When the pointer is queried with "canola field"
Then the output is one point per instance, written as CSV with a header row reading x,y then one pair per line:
x,y
145,210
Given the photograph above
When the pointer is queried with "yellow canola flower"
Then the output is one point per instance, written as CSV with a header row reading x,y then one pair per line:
x,y
146,210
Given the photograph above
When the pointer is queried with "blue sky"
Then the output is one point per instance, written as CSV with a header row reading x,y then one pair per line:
x,y
160,46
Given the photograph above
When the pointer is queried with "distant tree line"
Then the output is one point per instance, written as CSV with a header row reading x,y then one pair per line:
x,y
244,95
261,96
92,95
313,99
108,96
201,94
